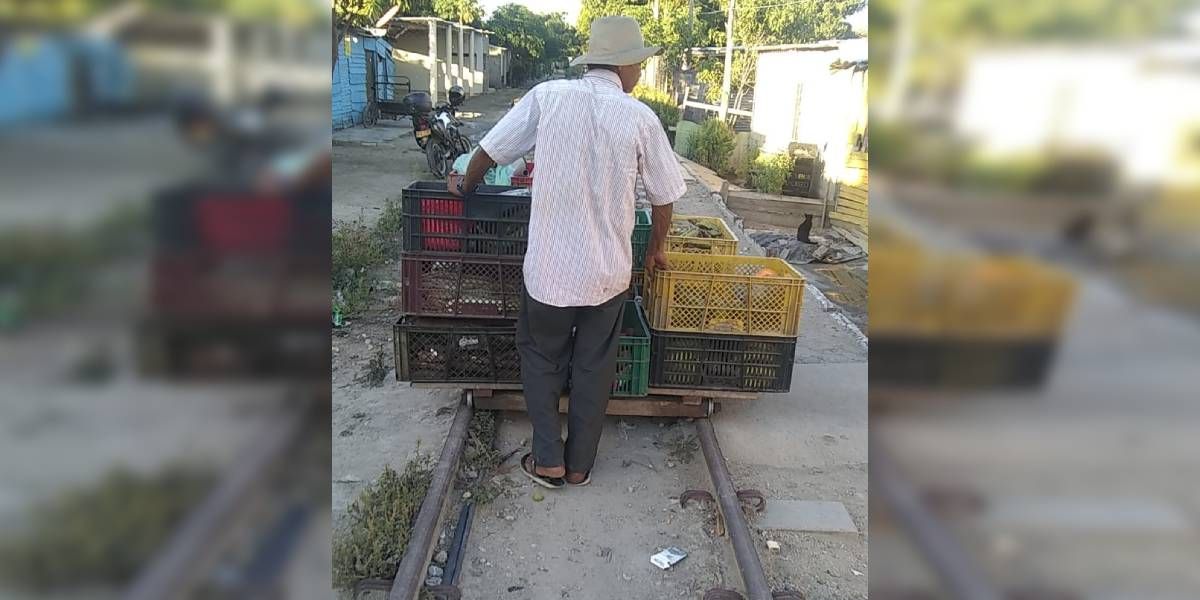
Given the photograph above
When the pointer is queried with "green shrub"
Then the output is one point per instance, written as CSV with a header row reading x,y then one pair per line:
x,y
356,250
745,151
380,526
713,145
661,103
770,171
388,227
103,532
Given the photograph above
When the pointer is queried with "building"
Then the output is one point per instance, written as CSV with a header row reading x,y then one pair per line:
x,y
499,64
435,54
221,58
364,69
1132,103
47,76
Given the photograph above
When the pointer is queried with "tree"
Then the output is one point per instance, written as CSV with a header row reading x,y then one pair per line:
x,y
945,32
536,41
467,12
771,22
757,23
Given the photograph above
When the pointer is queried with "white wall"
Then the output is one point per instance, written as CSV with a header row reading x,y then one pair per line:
x,y
1130,103
798,98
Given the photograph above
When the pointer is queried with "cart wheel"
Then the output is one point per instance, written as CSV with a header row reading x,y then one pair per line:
x,y
371,115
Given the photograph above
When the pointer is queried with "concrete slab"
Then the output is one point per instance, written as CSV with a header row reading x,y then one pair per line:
x,y
1130,515
806,515
821,422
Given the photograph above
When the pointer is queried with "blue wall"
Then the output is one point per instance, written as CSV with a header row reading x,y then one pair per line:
x,y
349,93
36,80
110,72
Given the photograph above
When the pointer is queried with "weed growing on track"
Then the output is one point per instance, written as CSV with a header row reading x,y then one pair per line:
x,y
381,521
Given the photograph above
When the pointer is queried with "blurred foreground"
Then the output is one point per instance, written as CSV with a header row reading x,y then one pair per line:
x,y
1034,292
164,300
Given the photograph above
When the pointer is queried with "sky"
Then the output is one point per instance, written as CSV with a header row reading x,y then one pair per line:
x,y
571,7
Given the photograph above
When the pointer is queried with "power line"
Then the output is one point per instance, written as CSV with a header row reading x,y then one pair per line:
x,y
754,8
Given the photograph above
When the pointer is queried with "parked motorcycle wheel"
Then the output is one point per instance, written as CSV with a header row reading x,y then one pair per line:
x,y
436,154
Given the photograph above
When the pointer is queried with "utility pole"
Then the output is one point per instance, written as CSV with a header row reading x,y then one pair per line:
x,y
727,76
893,101
687,56
655,10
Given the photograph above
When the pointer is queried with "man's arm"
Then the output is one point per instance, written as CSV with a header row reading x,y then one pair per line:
x,y
510,139
656,250
476,169
663,180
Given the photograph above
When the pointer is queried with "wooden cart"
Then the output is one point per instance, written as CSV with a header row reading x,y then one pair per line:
x,y
661,402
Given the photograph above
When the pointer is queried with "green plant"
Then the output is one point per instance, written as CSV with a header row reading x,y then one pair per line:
x,y
375,371
46,270
770,171
713,144
388,227
355,252
381,522
481,459
661,103
745,151
102,533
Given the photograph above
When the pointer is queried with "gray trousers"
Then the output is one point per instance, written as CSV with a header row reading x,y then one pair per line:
x,y
548,350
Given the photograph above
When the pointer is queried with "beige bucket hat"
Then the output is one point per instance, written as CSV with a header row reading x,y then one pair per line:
x,y
616,41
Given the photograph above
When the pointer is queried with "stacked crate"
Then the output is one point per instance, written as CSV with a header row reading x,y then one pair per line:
x,y
463,284
721,321
639,241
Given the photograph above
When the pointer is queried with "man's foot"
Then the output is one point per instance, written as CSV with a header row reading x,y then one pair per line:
x,y
543,476
579,478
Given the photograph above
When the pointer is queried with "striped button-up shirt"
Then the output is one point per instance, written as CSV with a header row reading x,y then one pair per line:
x,y
592,141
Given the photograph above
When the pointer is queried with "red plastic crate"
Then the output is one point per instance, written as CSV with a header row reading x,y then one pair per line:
x,y
435,228
526,180
243,223
460,285
488,223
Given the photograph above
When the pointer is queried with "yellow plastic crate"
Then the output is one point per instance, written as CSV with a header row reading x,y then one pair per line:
x,y
726,245
743,295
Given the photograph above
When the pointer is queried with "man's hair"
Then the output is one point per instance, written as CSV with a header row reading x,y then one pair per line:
x,y
613,68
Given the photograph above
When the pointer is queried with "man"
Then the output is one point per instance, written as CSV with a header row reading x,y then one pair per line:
x,y
592,140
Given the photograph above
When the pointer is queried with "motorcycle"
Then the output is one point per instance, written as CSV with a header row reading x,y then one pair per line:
x,y
436,128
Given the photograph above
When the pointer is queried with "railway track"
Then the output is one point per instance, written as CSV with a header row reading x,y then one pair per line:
x,y
728,501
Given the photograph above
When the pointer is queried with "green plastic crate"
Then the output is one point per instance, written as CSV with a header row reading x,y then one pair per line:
x,y
633,353
641,237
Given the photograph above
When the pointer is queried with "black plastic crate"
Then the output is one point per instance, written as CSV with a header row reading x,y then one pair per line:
x,y
450,350
458,285
489,223
721,362
960,364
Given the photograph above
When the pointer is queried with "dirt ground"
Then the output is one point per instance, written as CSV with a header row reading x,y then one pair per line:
x,y
373,164
595,542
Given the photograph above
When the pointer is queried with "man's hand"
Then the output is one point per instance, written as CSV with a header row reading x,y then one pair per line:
x,y
656,259
656,250
452,182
